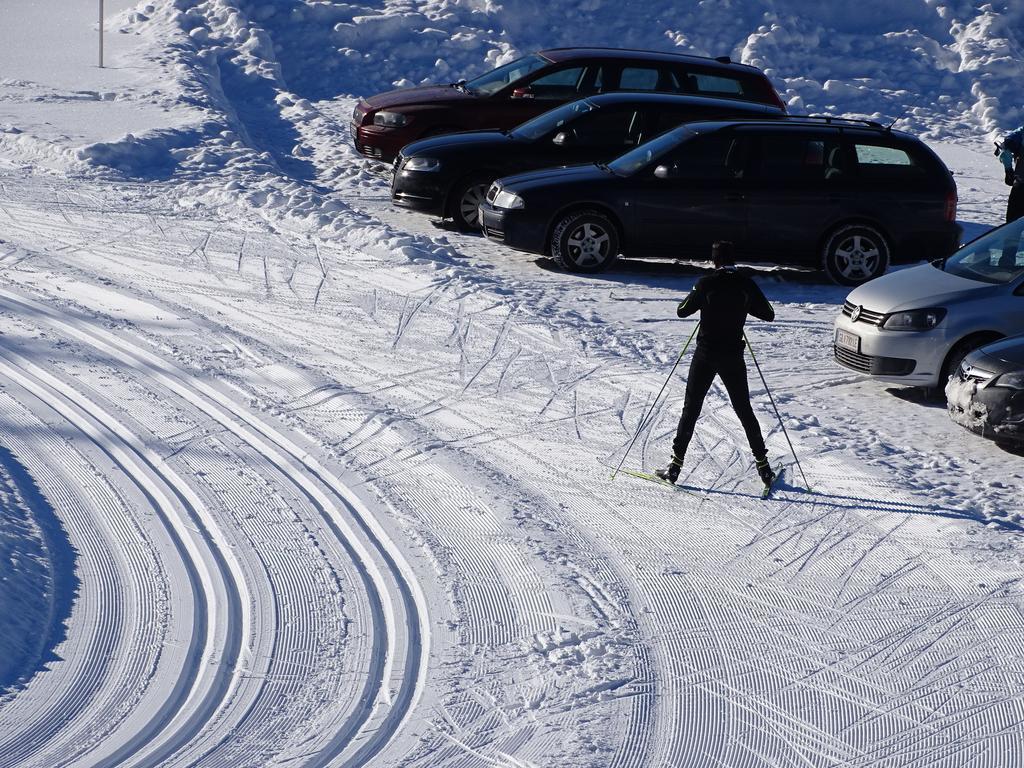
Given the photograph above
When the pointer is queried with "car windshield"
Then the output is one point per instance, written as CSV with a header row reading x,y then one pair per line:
x,y
496,79
997,257
553,120
649,152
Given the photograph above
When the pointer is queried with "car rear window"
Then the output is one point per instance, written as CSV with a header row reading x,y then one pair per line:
x,y
877,161
716,85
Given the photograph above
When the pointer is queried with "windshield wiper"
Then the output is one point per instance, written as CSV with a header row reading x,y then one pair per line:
x,y
461,86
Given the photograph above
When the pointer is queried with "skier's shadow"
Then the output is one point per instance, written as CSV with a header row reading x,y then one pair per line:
x,y
811,497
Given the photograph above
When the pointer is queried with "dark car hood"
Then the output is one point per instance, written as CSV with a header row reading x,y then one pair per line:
x,y
421,94
454,142
1009,351
572,173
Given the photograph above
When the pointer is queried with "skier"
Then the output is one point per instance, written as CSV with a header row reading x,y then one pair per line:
x,y
1011,154
723,298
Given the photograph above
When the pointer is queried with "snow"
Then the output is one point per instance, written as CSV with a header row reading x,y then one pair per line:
x,y
38,582
292,477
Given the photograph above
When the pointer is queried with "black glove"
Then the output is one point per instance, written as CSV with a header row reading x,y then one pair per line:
x,y
1010,178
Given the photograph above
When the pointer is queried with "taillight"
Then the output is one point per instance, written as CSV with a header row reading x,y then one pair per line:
x,y
951,207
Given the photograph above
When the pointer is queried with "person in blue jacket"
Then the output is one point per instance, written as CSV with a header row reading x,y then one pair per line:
x,y
1011,155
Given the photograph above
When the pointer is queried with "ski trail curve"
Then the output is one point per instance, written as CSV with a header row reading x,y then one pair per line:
x,y
401,646
165,492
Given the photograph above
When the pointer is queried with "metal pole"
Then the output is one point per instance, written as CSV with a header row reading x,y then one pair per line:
x,y
772,399
650,412
101,34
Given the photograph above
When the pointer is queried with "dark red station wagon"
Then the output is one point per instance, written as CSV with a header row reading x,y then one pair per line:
x,y
511,94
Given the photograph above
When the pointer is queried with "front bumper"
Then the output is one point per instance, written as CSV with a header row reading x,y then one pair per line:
x,y
378,143
993,412
518,229
911,358
421,191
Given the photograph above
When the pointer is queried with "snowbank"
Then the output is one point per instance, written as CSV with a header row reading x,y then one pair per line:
x,y
944,69
918,58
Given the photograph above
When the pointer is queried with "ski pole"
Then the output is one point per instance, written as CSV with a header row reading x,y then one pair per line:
x,y
650,412
776,409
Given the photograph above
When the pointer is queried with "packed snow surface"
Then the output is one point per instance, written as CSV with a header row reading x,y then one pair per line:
x,y
291,477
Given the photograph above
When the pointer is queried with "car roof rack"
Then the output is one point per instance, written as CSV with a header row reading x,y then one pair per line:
x,y
829,120
692,56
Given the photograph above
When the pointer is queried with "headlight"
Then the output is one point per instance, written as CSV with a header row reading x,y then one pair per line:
x,y
422,164
914,320
357,115
1013,380
390,119
508,200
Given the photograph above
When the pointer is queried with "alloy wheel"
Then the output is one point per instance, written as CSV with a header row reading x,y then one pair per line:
x,y
469,204
588,245
857,257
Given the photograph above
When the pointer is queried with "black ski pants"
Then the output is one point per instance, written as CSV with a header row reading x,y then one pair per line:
x,y
732,370
1015,205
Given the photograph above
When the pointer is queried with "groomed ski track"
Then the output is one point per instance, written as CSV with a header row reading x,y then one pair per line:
x,y
227,671
318,486
304,443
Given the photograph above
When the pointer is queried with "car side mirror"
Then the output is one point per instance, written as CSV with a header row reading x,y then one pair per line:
x,y
665,172
523,93
1019,290
561,139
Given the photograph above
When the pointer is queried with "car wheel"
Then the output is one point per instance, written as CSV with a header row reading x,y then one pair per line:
x,y
956,356
465,202
584,241
855,254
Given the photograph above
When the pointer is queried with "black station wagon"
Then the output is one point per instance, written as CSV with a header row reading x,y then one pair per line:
x,y
851,197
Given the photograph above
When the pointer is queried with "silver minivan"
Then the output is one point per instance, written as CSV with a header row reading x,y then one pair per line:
x,y
916,325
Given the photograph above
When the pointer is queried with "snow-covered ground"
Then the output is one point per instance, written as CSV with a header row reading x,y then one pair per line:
x,y
291,477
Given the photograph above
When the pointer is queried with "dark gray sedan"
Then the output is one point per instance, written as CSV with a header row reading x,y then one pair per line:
x,y
986,394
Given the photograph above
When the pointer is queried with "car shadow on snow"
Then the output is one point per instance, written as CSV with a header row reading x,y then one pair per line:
x,y
667,273
918,396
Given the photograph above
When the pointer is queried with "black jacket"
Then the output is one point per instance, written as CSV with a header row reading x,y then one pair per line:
x,y
724,298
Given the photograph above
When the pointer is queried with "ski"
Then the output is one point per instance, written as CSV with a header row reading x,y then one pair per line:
x,y
655,479
766,492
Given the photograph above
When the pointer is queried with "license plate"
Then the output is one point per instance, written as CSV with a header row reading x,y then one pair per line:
x,y
847,340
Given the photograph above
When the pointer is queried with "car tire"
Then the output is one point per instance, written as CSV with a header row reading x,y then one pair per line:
x,y
464,201
584,241
956,355
854,254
